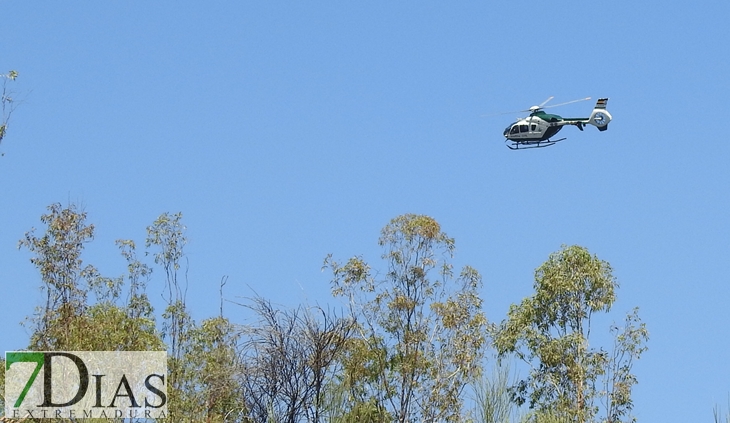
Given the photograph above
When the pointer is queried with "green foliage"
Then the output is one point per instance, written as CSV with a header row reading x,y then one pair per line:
x,y
367,412
492,399
421,332
167,236
211,389
550,331
414,338
7,102
2,386
67,321
339,407
629,344
547,416
57,255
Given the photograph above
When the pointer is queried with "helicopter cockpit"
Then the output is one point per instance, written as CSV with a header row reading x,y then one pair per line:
x,y
507,129
518,127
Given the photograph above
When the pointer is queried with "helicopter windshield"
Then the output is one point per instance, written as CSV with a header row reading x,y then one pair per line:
x,y
506,130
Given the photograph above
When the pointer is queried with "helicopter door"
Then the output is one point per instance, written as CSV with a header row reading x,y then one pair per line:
x,y
525,130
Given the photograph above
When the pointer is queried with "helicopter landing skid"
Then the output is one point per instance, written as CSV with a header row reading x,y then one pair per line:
x,y
538,144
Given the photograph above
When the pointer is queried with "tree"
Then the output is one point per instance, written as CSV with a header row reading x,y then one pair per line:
x,y
2,385
550,331
217,395
63,275
167,233
7,102
421,331
288,358
167,236
629,344
68,320
492,400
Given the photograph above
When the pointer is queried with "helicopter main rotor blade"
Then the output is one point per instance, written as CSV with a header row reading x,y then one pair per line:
x,y
545,102
505,113
536,108
567,102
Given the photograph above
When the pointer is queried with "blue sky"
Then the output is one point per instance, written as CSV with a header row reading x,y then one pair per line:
x,y
287,131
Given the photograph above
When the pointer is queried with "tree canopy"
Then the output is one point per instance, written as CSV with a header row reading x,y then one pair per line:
x,y
421,331
410,345
550,331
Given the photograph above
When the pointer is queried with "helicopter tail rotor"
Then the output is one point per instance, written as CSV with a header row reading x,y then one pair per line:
x,y
600,116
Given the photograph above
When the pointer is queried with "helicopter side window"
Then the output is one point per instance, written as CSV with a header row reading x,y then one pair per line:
x,y
523,128
515,129
533,127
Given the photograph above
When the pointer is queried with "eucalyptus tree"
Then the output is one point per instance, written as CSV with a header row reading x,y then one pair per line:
x,y
550,331
166,240
421,330
68,319
64,276
167,236
7,102
212,390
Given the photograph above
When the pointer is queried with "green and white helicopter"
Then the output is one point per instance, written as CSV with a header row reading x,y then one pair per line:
x,y
538,129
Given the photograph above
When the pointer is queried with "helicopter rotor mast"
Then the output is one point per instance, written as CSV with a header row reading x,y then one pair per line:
x,y
534,109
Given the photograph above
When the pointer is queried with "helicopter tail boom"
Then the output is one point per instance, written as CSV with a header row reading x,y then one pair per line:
x,y
600,117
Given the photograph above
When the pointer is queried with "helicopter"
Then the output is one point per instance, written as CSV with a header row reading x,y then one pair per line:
x,y
538,129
